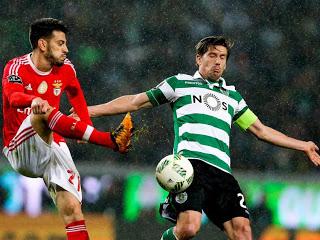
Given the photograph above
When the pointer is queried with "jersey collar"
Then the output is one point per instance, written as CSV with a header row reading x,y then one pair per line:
x,y
221,83
35,68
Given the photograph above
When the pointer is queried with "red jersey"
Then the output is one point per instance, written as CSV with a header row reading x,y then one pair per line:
x,y
22,82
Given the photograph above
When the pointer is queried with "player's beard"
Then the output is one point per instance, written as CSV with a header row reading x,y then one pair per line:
x,y
213,76
52,59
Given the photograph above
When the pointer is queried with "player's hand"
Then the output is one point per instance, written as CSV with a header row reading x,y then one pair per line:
x,y
39,106
74,116
311,149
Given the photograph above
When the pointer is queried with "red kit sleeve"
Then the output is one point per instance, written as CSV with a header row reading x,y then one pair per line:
x,y
13,89
77,100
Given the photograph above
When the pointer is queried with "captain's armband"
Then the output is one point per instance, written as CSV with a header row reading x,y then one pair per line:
x,y
246,120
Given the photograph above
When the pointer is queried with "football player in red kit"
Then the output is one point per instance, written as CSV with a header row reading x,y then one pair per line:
x,y
32,87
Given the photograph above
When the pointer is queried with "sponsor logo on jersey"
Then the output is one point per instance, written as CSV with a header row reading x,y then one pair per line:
x,y
14,79
211,101
43,87
57,87
181,197
193,83
28,87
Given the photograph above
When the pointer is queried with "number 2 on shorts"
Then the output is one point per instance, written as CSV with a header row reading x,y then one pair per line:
x,y
71,178
241,200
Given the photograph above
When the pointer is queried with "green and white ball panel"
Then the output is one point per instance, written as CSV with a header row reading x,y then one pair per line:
x,y
174,173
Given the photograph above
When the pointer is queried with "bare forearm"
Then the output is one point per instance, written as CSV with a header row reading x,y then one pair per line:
x,y
277,138
116,106
127,103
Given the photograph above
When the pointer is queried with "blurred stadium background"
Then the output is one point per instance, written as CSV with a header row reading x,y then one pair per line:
x,y
125,47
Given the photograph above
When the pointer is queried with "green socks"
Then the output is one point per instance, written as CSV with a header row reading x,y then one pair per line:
x,y
168,235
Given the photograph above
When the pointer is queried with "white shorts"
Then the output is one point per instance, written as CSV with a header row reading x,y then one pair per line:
x,y
29,155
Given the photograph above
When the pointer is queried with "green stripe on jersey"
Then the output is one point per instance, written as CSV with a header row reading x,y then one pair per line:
x,y
206,140
205,119
211,159
235,95
230,110
182,101
176,132
171,81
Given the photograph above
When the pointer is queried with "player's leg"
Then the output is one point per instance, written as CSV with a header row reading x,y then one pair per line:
x,y
225,206
238,228
184,208
39,124
70,210
64,185
68,206
188,225
68,127
27,153
228,230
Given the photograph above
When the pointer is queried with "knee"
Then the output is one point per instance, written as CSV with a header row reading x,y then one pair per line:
x,y
242,230
70,209
71,213
187,231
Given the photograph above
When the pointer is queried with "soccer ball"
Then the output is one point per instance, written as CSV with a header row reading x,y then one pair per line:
x,y
174,173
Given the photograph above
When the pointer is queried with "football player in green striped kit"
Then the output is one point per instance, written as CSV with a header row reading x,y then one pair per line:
x,y
204,107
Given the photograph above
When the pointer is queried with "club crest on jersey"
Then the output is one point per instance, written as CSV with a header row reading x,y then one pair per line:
x,y
43,87
57,87
14,79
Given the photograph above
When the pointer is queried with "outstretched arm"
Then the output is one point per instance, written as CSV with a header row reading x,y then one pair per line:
x,y
123,104
275,137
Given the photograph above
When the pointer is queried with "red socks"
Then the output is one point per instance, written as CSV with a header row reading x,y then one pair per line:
x,y
71,128
77,231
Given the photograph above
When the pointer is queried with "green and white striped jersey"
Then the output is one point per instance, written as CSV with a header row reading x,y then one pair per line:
x,y
202,114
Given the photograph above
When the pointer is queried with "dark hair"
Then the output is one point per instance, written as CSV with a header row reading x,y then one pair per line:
x,y
43,28
203,45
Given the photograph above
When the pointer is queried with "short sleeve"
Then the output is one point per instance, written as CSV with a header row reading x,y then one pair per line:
x,y
163,92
